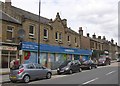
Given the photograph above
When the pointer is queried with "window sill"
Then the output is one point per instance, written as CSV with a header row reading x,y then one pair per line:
x,y
46,40
32,38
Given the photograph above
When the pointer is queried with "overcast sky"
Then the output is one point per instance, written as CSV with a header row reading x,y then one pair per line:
x,y
95,16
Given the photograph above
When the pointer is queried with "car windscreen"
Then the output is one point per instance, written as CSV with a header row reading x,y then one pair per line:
x,y
65,63
87,61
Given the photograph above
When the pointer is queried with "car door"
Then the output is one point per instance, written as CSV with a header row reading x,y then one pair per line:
x,y
77,66
73,66
31,71
40,71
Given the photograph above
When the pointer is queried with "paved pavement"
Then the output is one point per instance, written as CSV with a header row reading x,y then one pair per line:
x,y
5,78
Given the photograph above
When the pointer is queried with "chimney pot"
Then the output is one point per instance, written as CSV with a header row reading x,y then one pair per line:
x,y
88,35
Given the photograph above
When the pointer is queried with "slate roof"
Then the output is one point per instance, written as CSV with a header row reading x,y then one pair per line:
x,y
29,15
6,17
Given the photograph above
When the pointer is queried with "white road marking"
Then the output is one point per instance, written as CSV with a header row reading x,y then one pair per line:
x,y
110,72
58,76
90,81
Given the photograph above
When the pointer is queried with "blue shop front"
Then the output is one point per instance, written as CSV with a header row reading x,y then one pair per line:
x,y
52,56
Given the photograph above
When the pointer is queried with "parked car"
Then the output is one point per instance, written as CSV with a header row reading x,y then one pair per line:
x,y
89,64
69,67
27,72
104,60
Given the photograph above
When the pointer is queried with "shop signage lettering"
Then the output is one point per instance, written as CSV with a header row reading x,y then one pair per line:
x,y
8,48
67,50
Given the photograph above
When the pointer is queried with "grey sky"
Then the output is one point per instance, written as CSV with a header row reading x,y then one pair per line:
x,y
95,16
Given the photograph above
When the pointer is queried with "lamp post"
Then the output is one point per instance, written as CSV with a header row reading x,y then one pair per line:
x,y
21,35
39,34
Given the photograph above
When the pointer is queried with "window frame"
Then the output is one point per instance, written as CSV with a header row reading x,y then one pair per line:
x,y
56,36
68,38
75,40
45,37
31,35
10,31
60,37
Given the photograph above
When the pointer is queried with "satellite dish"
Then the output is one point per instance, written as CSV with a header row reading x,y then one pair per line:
x,y
21,34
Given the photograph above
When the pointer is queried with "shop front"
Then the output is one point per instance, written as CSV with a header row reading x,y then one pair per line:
x,y
50,56
8,53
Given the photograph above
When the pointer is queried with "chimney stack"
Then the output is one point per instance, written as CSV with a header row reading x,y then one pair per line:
x,y
88,35
94,36
80,31
64,22
104,38
8,2
7,6
99,37
112,41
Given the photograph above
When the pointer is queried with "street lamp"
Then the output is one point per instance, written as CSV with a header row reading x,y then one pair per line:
x,y
39,34
21,35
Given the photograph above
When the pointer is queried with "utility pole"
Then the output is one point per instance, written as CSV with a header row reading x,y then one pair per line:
x,y
39,34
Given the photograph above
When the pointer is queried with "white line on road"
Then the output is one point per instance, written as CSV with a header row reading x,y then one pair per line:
x,y
90,81
110,72
58,76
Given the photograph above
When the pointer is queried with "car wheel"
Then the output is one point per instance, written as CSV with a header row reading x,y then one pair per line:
x,y
95,66
26,79
80,69
70,71
48,76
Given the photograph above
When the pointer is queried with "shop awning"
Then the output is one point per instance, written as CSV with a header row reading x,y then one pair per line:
x,y
31,46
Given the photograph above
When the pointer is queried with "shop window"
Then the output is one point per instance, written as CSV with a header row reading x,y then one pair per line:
x,y
30,57
9,32
43,59
52,61
45,34
31,31
7,57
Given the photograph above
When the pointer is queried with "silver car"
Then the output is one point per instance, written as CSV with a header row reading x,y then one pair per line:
x,y
27,72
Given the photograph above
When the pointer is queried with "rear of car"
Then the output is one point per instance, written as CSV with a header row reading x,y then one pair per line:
x,y
16,74
104,60
27,72
88,64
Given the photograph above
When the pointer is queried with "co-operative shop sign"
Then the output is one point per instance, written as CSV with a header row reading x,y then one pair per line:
x,y
68,50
